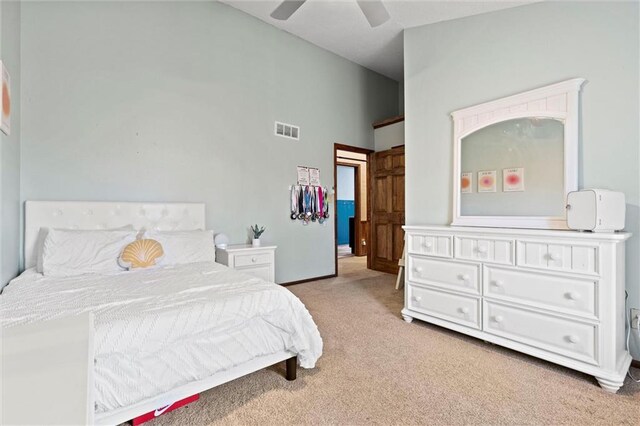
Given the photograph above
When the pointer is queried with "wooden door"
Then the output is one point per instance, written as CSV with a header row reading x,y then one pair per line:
x,y
387,209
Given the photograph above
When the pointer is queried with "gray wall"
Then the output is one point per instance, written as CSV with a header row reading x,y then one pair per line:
x,y
176,101
455,64
10,146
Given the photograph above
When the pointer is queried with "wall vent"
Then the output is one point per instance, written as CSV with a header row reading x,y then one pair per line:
x,y
287,130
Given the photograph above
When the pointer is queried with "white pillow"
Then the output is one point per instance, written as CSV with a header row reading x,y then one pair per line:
x,y
182,247
42,236
69,252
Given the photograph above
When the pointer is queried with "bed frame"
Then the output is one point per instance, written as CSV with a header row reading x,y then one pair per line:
x,y
160,216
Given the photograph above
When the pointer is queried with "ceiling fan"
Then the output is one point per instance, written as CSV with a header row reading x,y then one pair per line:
x,y
373,10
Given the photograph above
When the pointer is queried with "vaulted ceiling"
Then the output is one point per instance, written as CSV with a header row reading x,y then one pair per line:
x,y
340,27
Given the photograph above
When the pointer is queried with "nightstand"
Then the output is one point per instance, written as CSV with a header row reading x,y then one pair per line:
x,y
257,261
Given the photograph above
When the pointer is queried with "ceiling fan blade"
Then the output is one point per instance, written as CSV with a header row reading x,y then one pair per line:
x,y
286,9
374,11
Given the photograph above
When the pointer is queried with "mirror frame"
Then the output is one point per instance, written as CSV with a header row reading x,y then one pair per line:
x,y
560,101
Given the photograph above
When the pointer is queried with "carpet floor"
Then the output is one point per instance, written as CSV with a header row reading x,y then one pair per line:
x,y
377,369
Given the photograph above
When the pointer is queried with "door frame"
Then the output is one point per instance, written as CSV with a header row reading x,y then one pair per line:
x,y
357,237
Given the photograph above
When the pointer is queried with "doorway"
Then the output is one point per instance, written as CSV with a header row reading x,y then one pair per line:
x,y
346,209
351,212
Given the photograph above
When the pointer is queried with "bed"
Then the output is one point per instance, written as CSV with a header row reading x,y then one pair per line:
x,y
165,333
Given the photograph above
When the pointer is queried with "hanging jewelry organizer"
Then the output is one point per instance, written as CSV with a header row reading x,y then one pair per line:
x,y
309,200
309,203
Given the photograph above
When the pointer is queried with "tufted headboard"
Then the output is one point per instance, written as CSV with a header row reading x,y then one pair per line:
x,y
105,215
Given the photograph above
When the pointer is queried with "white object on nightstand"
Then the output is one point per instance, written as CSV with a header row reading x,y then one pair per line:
x,y
47,372
257,261
221,240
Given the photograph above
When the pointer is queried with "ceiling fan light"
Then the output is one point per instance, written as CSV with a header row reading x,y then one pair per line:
x,y
286,9
374,11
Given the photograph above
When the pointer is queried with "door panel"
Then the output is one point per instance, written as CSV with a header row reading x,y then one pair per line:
x,y
381,242
398,194
398,241
381,203
387,215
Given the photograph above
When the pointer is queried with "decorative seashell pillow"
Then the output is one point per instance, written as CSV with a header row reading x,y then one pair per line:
x,y
141,254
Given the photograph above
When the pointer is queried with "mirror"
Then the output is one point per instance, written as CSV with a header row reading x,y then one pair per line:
x,y
515,159
527,155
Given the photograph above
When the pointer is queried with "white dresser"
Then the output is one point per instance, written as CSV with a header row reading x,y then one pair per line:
x,y
556,295
257,261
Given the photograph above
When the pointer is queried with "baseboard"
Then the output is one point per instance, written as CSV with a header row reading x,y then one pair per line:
x,y
306,280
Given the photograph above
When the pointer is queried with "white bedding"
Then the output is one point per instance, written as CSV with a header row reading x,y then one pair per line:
x,y
161,328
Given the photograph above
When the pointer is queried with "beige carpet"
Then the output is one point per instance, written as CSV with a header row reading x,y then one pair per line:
x,y
377,369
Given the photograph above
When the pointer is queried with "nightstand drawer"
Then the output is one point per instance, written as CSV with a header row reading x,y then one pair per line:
x,y
249,259
262,271
257,261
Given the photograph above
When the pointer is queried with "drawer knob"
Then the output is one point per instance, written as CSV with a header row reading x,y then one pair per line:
x,y
482,250
418,269
427,245
573,338
464,310
417,298
254,259
572,295
464,277
497,283
498,318
552,257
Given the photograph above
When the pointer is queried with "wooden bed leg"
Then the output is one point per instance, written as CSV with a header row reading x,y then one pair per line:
x,y
291,368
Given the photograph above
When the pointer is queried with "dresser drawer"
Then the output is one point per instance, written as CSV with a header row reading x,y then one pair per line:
x,y
485,249
445,274
259,258
560,257
431,245
567,295
448,306
566,337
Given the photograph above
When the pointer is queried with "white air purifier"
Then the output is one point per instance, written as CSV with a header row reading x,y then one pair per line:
x,y
596,210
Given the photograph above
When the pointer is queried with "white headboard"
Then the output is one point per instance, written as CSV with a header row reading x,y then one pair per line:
x,y
105,215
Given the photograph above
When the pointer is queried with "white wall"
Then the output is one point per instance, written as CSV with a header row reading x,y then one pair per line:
x,y
10,146
455,64
175,101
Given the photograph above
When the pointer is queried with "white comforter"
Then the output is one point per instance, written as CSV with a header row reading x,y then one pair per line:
x,y
162,328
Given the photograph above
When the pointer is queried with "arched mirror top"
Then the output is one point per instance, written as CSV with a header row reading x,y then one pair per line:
x,y
499,144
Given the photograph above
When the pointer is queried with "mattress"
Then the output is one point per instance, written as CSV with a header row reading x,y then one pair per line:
x,y
161,328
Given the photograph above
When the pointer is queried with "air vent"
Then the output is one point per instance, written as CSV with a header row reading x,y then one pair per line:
x,y
287,130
